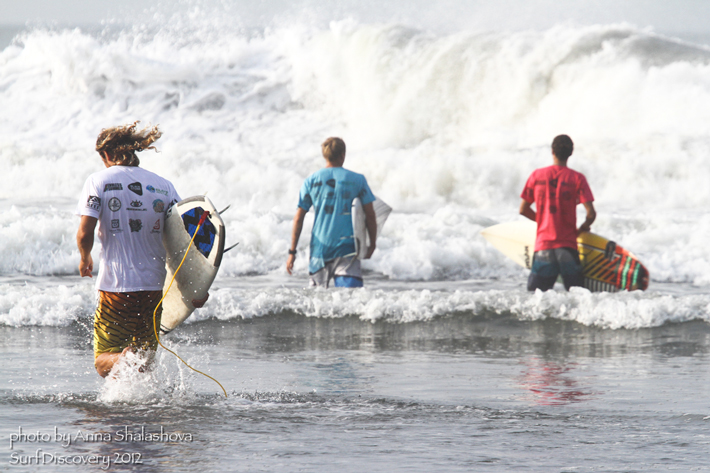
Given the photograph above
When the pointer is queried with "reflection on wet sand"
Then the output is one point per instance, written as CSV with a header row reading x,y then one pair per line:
x,y
549,383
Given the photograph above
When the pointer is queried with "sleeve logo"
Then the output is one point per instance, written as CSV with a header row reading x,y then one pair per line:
x,y
93,202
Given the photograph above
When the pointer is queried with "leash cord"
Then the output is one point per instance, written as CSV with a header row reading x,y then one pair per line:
x,y
204,216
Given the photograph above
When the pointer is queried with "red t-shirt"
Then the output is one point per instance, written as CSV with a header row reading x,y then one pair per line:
x,y
556,191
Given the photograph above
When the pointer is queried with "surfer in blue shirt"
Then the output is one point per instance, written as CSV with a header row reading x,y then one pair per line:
x,y
331,191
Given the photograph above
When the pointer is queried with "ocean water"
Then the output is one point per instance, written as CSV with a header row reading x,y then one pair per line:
x,y
443,362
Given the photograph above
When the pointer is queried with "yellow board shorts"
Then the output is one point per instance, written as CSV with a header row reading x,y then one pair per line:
x,y
125,319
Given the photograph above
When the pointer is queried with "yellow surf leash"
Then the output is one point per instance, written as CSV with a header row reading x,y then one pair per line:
x,y
204,216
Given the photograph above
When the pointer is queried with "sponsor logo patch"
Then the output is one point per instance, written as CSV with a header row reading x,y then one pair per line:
x,y
115,225
158,206
154,190
114,204
136,188
136,225
93,202
136,205
116,186
156,227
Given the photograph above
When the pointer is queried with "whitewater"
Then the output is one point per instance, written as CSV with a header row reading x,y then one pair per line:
x,y
446,127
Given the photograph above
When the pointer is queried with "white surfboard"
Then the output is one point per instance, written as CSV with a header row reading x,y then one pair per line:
x,y
516,240
362,239
200,267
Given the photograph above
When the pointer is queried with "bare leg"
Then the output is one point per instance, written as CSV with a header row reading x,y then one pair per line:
x,y
105,361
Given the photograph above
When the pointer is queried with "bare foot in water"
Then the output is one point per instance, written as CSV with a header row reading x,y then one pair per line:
x,y
105,362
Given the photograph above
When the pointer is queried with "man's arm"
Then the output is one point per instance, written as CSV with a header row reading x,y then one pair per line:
x,y
591,216
85,242
371,225
295,235
527,211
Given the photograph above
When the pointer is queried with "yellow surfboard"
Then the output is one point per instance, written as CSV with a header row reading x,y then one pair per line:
x,y
607,266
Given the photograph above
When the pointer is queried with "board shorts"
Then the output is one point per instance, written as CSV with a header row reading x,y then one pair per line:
x,y
344,271
548,264
125,319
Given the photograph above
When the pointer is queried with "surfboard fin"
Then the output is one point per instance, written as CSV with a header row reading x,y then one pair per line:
x,y
224,209
227,249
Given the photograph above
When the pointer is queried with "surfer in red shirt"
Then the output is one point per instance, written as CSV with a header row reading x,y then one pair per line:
x,y
556,190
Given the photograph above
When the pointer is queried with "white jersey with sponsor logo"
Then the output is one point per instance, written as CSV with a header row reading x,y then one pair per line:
x,y
130,205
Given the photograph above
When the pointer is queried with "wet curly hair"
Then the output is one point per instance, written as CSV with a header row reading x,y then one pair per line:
x,y
122,142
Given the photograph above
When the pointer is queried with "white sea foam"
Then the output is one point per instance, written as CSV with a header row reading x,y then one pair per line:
x,y
60,306
605,310
32,304
446,126
133,380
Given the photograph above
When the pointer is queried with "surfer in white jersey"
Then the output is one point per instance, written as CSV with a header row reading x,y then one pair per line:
x,y
331,191
128,203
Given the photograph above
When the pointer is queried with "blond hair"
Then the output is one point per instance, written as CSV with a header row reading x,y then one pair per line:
x,y
333,149
122,142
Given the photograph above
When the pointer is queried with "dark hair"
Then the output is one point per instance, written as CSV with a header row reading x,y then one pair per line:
x,y
562,147
122,142
333,149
